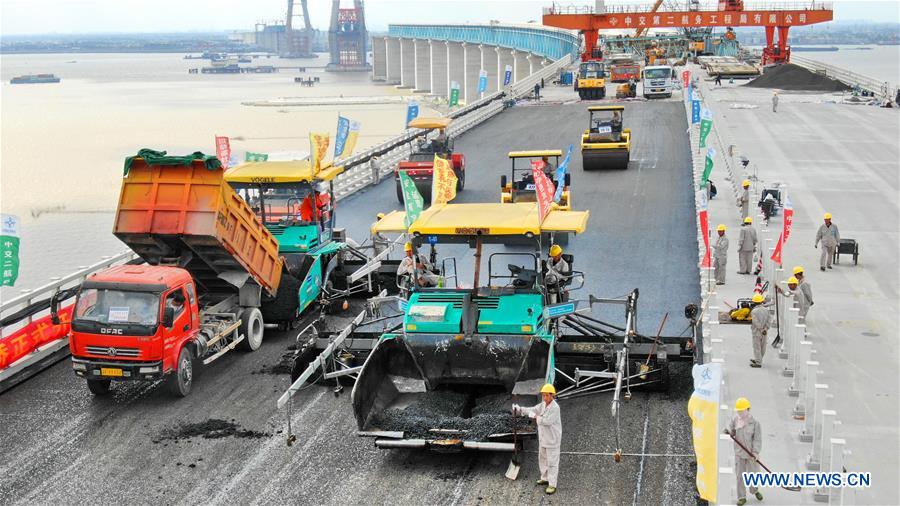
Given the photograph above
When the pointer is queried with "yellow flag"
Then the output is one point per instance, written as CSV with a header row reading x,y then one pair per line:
x,y
443,181
703,408
318,146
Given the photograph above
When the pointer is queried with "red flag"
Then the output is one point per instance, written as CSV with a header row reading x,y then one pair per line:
x,y
543,188
788,218
223,150
686,78
776,255
703,216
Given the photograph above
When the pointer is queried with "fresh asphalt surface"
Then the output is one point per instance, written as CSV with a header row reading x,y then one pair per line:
x,y
58,444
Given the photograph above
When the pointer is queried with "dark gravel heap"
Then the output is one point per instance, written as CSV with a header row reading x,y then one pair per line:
x,y
211,429
795,78
444,410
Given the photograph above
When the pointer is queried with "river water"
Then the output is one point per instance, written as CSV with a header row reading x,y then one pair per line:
x,y
63,145
877,62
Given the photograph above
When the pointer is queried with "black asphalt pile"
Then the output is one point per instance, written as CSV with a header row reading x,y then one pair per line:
x,y
211,429
283,366
795,78
444,410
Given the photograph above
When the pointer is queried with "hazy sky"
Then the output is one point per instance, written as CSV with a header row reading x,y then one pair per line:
x,y
19,17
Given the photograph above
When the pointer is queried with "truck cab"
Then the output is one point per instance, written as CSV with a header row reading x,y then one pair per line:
x,y
419,166
658,80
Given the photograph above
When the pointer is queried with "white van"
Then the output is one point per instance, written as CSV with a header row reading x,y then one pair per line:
x,y
658,80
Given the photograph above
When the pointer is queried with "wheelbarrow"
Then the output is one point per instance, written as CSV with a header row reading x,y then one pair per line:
x,y
847,247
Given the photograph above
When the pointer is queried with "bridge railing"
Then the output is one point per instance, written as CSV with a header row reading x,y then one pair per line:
x,y
374,164
883,89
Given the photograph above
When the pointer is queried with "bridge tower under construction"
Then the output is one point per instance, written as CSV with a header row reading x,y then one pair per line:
x,y
298,31
347,38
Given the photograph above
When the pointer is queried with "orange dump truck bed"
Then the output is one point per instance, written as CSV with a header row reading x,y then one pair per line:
x,y
188,212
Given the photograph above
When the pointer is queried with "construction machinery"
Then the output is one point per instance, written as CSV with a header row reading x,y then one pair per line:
x,y
296,204
445,373
659,81
605,143
420,164
591,81
627,90
520,187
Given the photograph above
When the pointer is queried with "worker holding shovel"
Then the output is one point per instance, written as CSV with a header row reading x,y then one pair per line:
x,y
546,415
747,435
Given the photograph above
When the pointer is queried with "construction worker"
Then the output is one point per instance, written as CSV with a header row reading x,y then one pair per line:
x,y
557,272
804,284
830,237
746,246
548,167
379,241
775,101
746,431
744,200
759,329
799,297
549,423
416,267
720,255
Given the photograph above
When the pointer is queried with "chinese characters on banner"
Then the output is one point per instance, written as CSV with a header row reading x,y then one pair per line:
x,y
703,408
443,182
32,336
9,249
454,94
412,199
340,136
695,111
250,156
705,125
412,111
507,75
223,151
482,81
785,231
707,170
318,146
703,220
686,78
543,188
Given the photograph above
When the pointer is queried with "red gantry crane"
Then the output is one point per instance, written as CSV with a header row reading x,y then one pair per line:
x,y
727,13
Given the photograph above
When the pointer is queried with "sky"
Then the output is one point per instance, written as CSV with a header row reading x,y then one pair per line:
x,y
32,17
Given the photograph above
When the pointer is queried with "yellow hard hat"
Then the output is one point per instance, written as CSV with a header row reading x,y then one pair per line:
x,y
798,270
548,389
748,220
407,247
827,216
742,404
746,183
721,228
793,281
380,216
757,298
556,249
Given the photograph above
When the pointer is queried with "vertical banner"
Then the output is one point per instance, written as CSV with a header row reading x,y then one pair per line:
x,y
560,175
543,188
703,221
690,93
788,218
703,408
707,170
507,75
412,111
695,112
686,78
250,156
443,181
223,151
318,146
9,249
341,134
454,94
705,125
776,255
482,81
412,199
351,139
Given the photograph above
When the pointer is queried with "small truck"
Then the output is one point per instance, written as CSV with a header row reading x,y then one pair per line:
x,y
420,163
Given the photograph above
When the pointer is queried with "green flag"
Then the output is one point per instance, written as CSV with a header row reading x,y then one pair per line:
x,y
710,153
454,94
705,126
256,157
9,250
412,199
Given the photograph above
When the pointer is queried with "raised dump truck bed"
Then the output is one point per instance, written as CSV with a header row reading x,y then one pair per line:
x,y
186,214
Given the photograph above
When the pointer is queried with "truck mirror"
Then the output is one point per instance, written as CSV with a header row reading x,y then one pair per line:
x,y
54,308
169,317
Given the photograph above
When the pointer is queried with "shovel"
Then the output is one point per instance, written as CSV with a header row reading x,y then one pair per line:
x,y
645,367
512,472
754,457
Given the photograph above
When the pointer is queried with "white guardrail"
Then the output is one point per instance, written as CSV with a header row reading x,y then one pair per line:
x,y
882,89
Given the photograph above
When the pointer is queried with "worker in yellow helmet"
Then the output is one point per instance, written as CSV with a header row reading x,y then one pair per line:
x,y
760,320
549,424
416,267
744,200
720,255
799,296
747,432
800,274
557,273
747,242
830,237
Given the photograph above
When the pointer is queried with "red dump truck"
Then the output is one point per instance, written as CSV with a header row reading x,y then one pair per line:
x,y
420,163
208,261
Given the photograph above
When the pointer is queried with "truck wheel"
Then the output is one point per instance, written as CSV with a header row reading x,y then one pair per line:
x,y
460,180
399,192
182,378
98,387
251,328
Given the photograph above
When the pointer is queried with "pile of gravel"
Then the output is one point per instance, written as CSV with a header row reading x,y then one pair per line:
x,y
795,78
213,428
